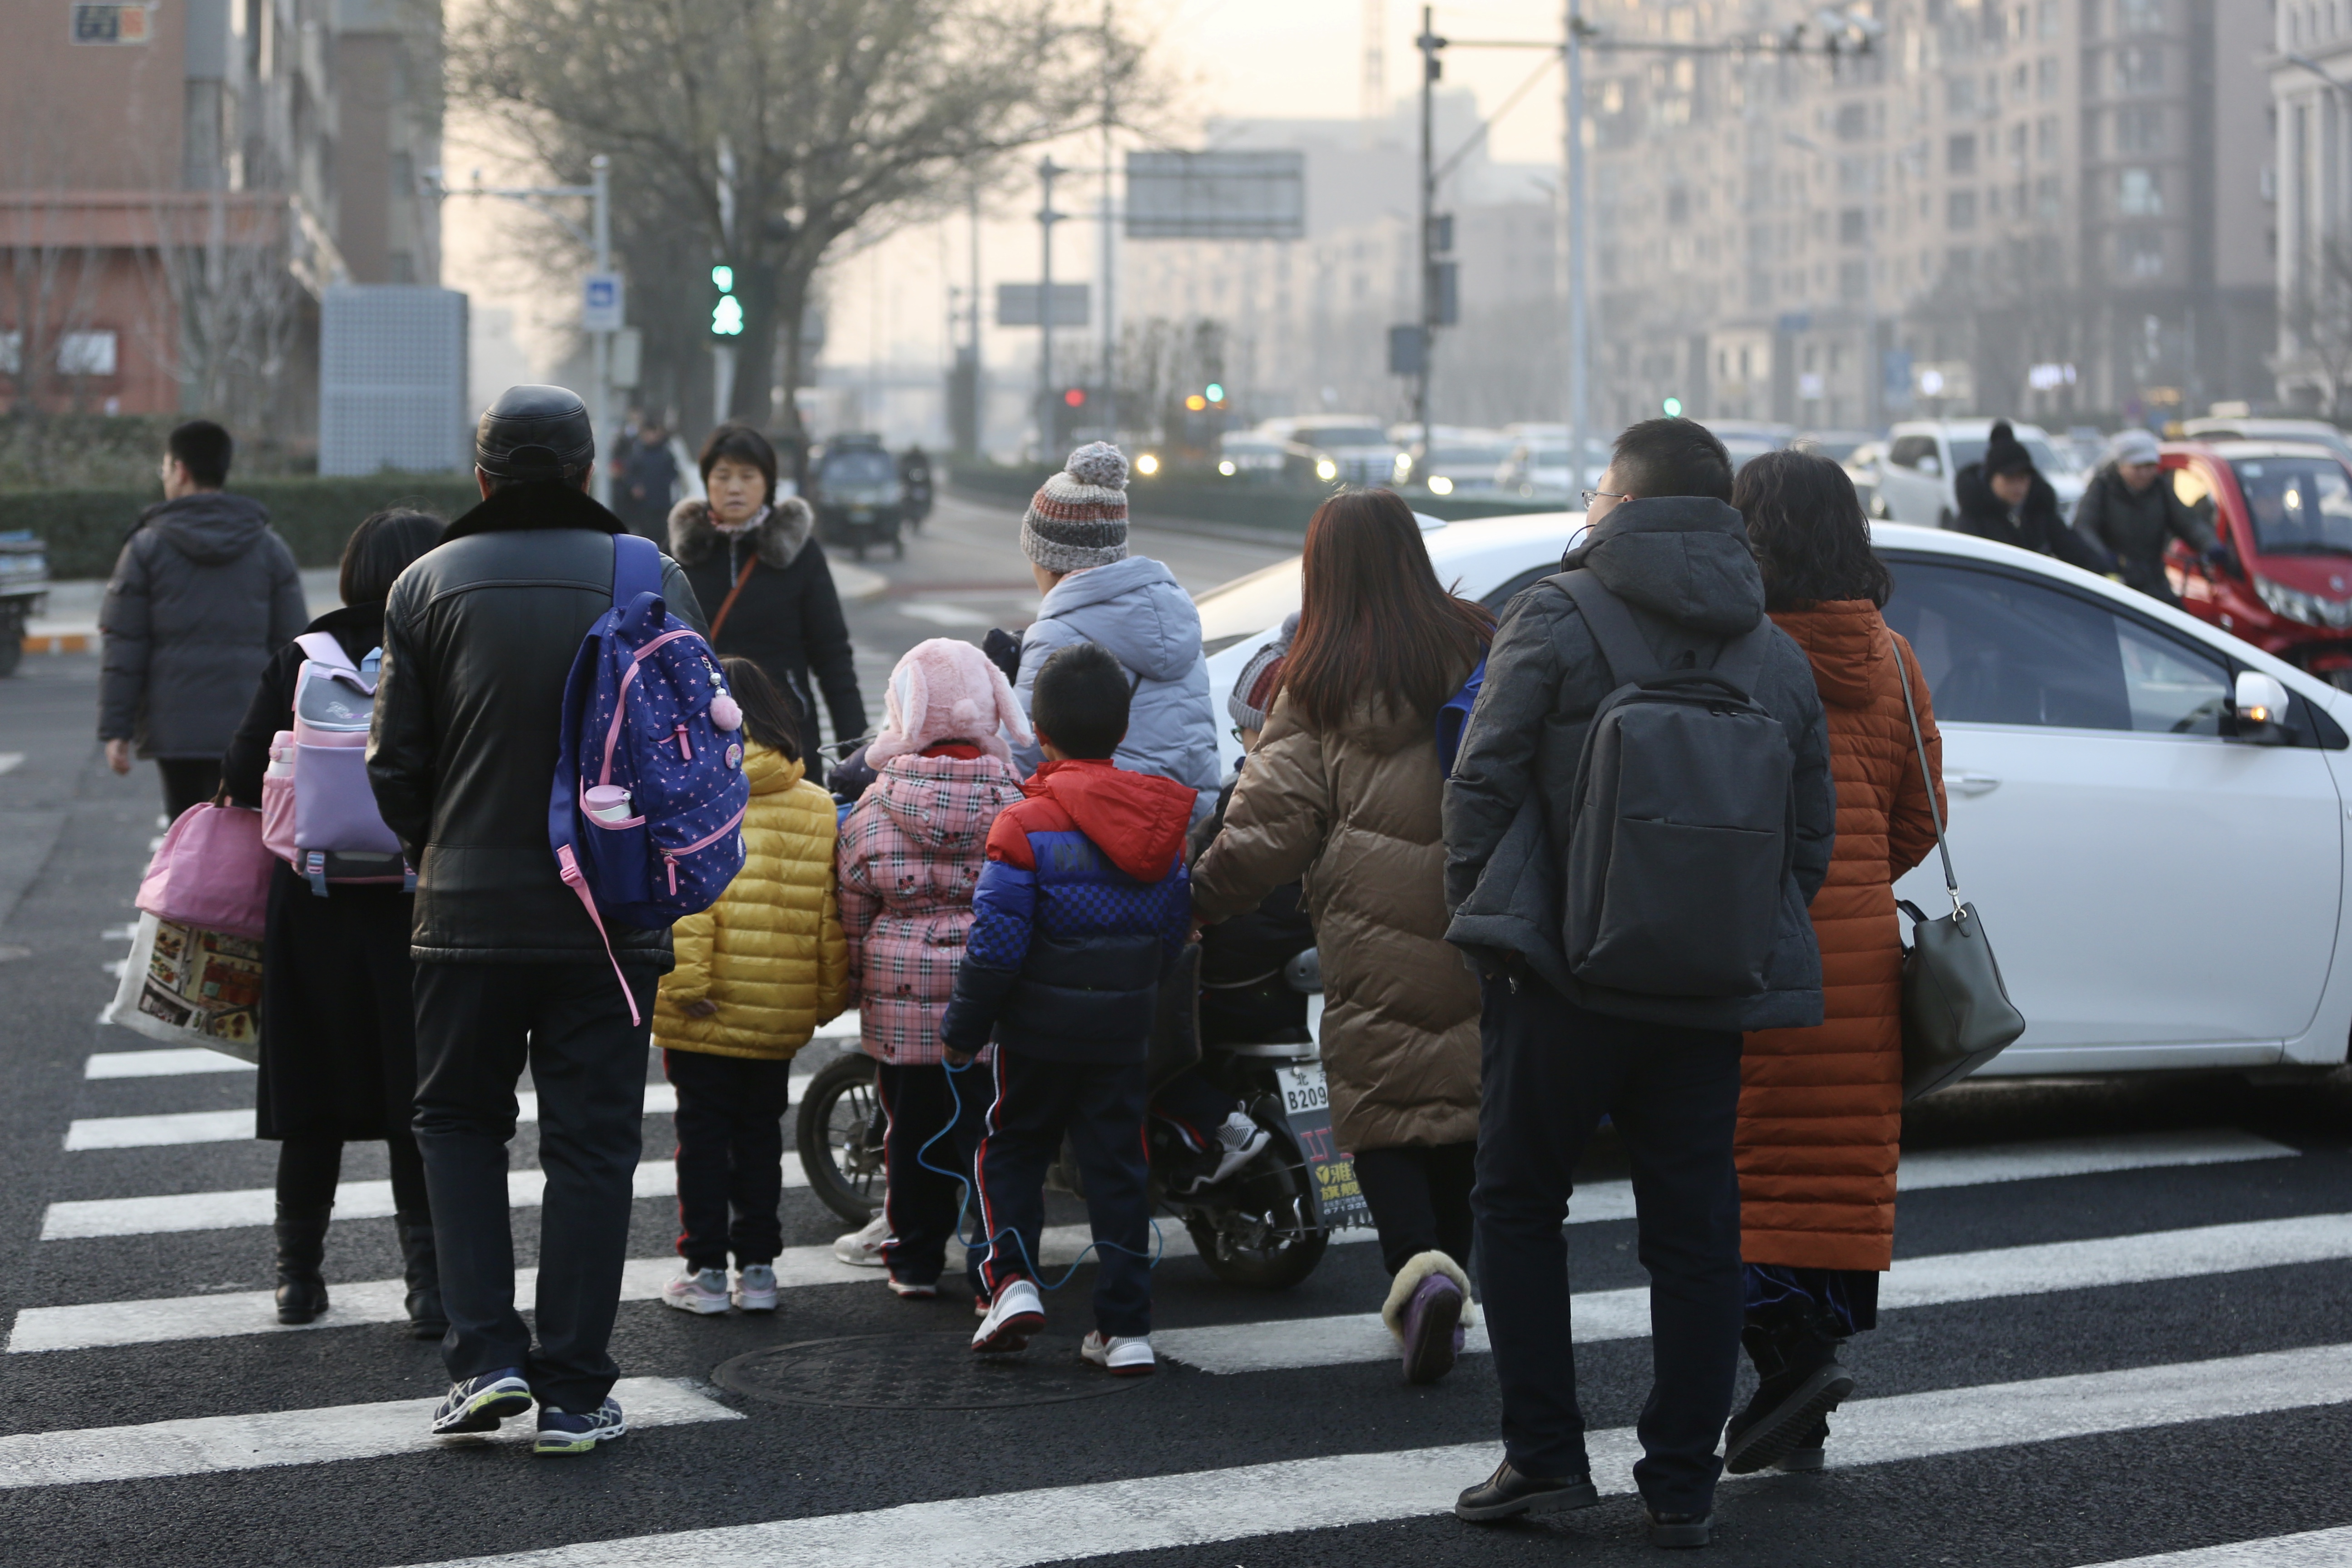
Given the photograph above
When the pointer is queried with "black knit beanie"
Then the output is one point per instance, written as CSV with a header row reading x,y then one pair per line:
x,y
2005,454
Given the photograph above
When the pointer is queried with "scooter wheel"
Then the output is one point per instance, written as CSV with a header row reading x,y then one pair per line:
x,y
837,1137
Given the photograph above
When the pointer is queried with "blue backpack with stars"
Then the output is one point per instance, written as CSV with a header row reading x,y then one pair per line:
x,y
647,814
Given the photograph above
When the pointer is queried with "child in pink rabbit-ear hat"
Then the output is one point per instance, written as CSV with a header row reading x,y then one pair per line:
x,y
911,854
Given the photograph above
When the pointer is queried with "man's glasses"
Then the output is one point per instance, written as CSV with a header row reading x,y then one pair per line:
x,y
1591,496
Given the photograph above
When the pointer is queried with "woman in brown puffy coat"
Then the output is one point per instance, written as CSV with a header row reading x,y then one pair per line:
x,y
1820,1109
1344,789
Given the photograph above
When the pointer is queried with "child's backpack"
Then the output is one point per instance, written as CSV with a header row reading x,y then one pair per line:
x,y
318,812
645,817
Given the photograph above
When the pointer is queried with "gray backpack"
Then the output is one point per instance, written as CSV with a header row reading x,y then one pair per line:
x,y
1682,827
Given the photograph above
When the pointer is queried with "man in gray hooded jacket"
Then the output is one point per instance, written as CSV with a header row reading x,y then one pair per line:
x,y
203,594
1559,1054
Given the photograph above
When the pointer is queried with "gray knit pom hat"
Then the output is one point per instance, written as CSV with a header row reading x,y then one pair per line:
x,y
1078,518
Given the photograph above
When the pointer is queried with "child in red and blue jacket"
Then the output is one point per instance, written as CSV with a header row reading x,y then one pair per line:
x,y
1083,905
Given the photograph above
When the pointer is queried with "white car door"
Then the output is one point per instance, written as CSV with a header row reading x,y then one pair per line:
x,y
1911,496
2158,895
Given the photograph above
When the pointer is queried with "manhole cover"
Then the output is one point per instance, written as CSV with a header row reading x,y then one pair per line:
x,y
916,1371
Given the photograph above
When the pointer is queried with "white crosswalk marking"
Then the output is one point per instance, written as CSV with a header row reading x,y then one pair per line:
x,y
1203,1507
167,1062
236,1126
264,1440
2313,1549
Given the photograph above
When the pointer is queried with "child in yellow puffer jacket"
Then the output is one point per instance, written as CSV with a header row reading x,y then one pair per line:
x,y
757,973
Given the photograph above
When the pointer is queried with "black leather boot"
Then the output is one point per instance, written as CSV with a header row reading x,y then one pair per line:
x,y
426,1321
301,1247
1800,1381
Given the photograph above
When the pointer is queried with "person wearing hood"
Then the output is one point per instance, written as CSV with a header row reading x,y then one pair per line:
x,y
1344,788
2003,497
1560,1052
2129,510
759,572
1820,1109
1081,911
203,593
1075,535
911,853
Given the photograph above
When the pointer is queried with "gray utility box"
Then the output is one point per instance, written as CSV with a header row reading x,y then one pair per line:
x,y
392,379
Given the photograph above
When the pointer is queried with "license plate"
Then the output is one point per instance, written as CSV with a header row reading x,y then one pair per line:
x,y
1331,1174
1303,1089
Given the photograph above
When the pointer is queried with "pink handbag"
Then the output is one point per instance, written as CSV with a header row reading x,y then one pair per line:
x,y
211,872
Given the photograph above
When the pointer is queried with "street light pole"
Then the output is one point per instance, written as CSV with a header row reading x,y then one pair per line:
x,y
1047,421
1429,42
1579,338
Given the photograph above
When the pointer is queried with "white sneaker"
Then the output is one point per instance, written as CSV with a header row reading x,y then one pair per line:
x,y
701,1291
1014,1314
1238,1141
863,1248
755,1288
1121,1355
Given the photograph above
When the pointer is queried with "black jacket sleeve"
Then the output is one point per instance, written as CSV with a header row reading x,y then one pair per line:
x,y
123,620
1495,769
678,597
271,710
401,753
824,640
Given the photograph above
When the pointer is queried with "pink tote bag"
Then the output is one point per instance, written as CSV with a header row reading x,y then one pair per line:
x,y
212,871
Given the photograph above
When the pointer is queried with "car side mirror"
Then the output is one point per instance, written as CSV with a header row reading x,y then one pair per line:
x,y
2260,703
1931,467
1304,973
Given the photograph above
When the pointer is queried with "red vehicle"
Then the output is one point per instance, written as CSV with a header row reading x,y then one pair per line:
x,y
2283,510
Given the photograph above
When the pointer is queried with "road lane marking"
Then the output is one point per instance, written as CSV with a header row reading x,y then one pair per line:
x,y
1201,1508
265,1440
179,1061
2004,1273
2312,1549
237,1126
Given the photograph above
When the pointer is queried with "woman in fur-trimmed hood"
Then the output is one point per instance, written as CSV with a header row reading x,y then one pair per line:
x,y
785,617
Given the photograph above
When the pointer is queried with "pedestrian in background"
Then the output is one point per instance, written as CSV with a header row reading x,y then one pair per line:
x,y
1075,535
337,1016
479,638
762,578
757,973
911,853
1669,551
646,481
1345,789
1820,1109
2003,497
2128,508
203,595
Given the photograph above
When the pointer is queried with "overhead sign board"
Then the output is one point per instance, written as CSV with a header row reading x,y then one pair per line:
x,y
1016,305
1216,195
112,23
602,303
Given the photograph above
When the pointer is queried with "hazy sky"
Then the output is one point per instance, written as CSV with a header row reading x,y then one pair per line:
x,y
1258,58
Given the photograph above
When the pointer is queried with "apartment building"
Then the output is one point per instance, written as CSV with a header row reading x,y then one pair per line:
x,y
2311,99
180,180
2049,207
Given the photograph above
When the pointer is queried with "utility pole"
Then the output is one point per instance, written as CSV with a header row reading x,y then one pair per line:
x,y
1048,422
1109,384
723,356
1579,342
1429,42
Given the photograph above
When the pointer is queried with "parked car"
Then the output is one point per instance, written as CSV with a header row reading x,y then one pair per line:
x,y
1915,479
854,486
2093,737
1861,466
1342,449
2223,427
1458,463
2283,512
24,588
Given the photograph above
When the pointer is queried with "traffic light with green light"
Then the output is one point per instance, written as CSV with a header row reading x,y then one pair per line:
x,y
726,308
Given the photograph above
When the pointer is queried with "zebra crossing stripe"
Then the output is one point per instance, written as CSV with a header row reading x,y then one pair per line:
x,y
1205,1507
1999,1272
212,1444
237,1126
2312,1549
168,1062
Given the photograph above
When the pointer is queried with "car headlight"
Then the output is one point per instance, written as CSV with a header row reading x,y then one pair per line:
x,y
2308,608
1225,467
1146,464
1439,485
1326,469
1401,466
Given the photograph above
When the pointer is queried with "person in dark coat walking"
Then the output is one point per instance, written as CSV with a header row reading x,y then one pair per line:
x,y
2132,512
914,483
480,637
762,578
203,594
1560,1052
2002,497
648,474
338,1022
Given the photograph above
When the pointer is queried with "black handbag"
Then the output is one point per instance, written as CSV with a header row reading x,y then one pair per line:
x,y
1956,1015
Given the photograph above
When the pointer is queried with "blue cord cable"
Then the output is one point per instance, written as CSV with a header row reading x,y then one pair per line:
x,y
1151,1260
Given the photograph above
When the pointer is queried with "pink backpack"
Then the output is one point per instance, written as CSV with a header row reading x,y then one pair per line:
x,y
318,812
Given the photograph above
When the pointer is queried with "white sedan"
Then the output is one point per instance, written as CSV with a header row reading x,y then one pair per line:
x,y
2163,879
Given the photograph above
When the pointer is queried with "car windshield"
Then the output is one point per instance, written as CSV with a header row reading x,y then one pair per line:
x,y
1470,457
1839,448
1967,449
2300,506
858,468
1345,436
1234,610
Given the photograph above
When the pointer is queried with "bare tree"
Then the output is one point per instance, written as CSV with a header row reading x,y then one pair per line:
x,y
2319,315
762,132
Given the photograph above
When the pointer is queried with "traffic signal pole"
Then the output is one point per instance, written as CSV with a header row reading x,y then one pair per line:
x,y
1048,422
1429,44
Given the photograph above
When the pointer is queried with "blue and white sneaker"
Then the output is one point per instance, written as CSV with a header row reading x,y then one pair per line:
x,y
480,1404
560,1432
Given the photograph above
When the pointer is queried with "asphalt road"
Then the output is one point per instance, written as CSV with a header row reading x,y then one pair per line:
x,y
2122,1330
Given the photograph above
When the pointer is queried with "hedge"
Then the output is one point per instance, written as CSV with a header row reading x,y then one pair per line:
x,y
84,529
1206,498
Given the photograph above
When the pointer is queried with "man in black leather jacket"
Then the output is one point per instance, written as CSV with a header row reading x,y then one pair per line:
x,y
478,637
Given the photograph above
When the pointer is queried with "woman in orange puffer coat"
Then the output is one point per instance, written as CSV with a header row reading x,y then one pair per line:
x,y
1820,1109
